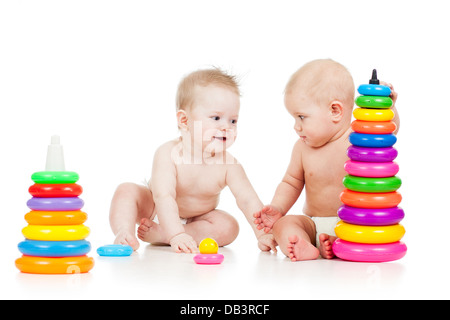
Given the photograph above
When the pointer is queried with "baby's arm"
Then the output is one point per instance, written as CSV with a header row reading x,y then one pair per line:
x,y
286,193
249,202
164,194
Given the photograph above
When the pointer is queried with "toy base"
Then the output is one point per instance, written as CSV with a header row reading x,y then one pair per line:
x,y
115,250
209,258
42,265
360,252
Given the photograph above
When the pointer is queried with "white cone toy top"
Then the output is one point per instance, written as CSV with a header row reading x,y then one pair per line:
x,y
55,156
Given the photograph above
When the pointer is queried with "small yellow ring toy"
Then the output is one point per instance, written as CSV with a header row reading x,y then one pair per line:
x,y
369,234
56,233
66,265
365,114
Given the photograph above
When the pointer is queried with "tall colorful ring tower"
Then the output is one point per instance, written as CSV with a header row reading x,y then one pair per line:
x,y
55,236
369,230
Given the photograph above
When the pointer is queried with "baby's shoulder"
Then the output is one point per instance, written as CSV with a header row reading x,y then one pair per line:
x,y
168,149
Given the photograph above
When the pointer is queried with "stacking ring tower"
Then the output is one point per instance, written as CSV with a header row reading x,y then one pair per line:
x,y
369,230
55,236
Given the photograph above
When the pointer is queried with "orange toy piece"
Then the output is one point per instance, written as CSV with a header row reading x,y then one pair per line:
x,y
55,218
374,127
370,200
66,265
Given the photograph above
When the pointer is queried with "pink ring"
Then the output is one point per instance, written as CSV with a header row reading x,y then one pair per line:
x,y
371,169
361,252
208,258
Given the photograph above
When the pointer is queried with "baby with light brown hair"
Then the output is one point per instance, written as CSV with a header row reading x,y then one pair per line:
x,y
320,98
189,173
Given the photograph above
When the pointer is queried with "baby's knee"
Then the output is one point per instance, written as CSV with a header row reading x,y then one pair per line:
x,y
230,230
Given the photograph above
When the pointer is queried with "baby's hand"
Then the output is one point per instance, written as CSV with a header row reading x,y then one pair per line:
x,y
393,94
183,243
266,242
267,217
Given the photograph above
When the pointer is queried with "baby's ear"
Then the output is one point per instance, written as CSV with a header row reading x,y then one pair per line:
x,y
182,119
336,110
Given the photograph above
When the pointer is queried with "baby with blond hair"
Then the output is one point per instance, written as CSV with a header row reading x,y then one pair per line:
x,y
189,173
320,98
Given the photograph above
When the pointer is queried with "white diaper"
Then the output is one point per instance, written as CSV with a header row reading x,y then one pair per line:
x,y
324,225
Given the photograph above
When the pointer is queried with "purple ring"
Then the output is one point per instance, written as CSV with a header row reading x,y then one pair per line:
x,y
365,154
371,217
55,204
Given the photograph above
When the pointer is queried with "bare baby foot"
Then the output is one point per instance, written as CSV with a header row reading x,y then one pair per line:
x,y
150,231
299,249
125,238
326,245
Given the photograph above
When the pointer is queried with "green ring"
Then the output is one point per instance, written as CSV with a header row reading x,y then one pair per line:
x,y
372,185
376,102
55,177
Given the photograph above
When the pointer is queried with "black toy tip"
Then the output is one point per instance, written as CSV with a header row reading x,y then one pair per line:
x,y
374,79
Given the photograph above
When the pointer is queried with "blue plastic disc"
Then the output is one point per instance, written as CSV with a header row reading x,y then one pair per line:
x,y
374,90
372,140
54,248
115,250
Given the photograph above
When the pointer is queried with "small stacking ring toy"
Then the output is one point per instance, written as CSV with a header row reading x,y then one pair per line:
x,y
374,90
372,140
55,204
366,154
115,250
374,102
371,217
362,252
374,127
56,233
363,184
373,114
371,169
216,258
56,217
52,177
370,200
54,248
55,190
369,234
66,265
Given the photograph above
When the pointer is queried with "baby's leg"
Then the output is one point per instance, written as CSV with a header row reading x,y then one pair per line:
x,y
296,236
216,224
130,204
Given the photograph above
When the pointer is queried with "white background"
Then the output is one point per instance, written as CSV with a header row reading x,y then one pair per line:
x,y
103,75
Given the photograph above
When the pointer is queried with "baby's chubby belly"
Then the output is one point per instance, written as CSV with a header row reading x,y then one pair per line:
x,y
193,206
323,202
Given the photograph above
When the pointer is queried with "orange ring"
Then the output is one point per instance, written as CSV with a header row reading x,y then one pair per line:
x,y
66,265
370,200
374,127
52,218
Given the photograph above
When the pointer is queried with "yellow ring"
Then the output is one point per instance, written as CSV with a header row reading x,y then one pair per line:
x,y
65,265
56,233
369,234
373,114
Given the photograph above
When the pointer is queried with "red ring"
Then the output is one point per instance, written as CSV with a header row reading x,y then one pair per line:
x,y
55,190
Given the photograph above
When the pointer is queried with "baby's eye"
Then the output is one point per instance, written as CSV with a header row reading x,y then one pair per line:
x,y
216,118
301,117
234,121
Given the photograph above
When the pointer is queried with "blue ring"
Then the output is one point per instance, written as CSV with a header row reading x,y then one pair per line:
x,y
115,250
372,140
55,204
374,90
54,248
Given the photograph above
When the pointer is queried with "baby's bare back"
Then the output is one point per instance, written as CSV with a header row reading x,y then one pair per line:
x,y
323,173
